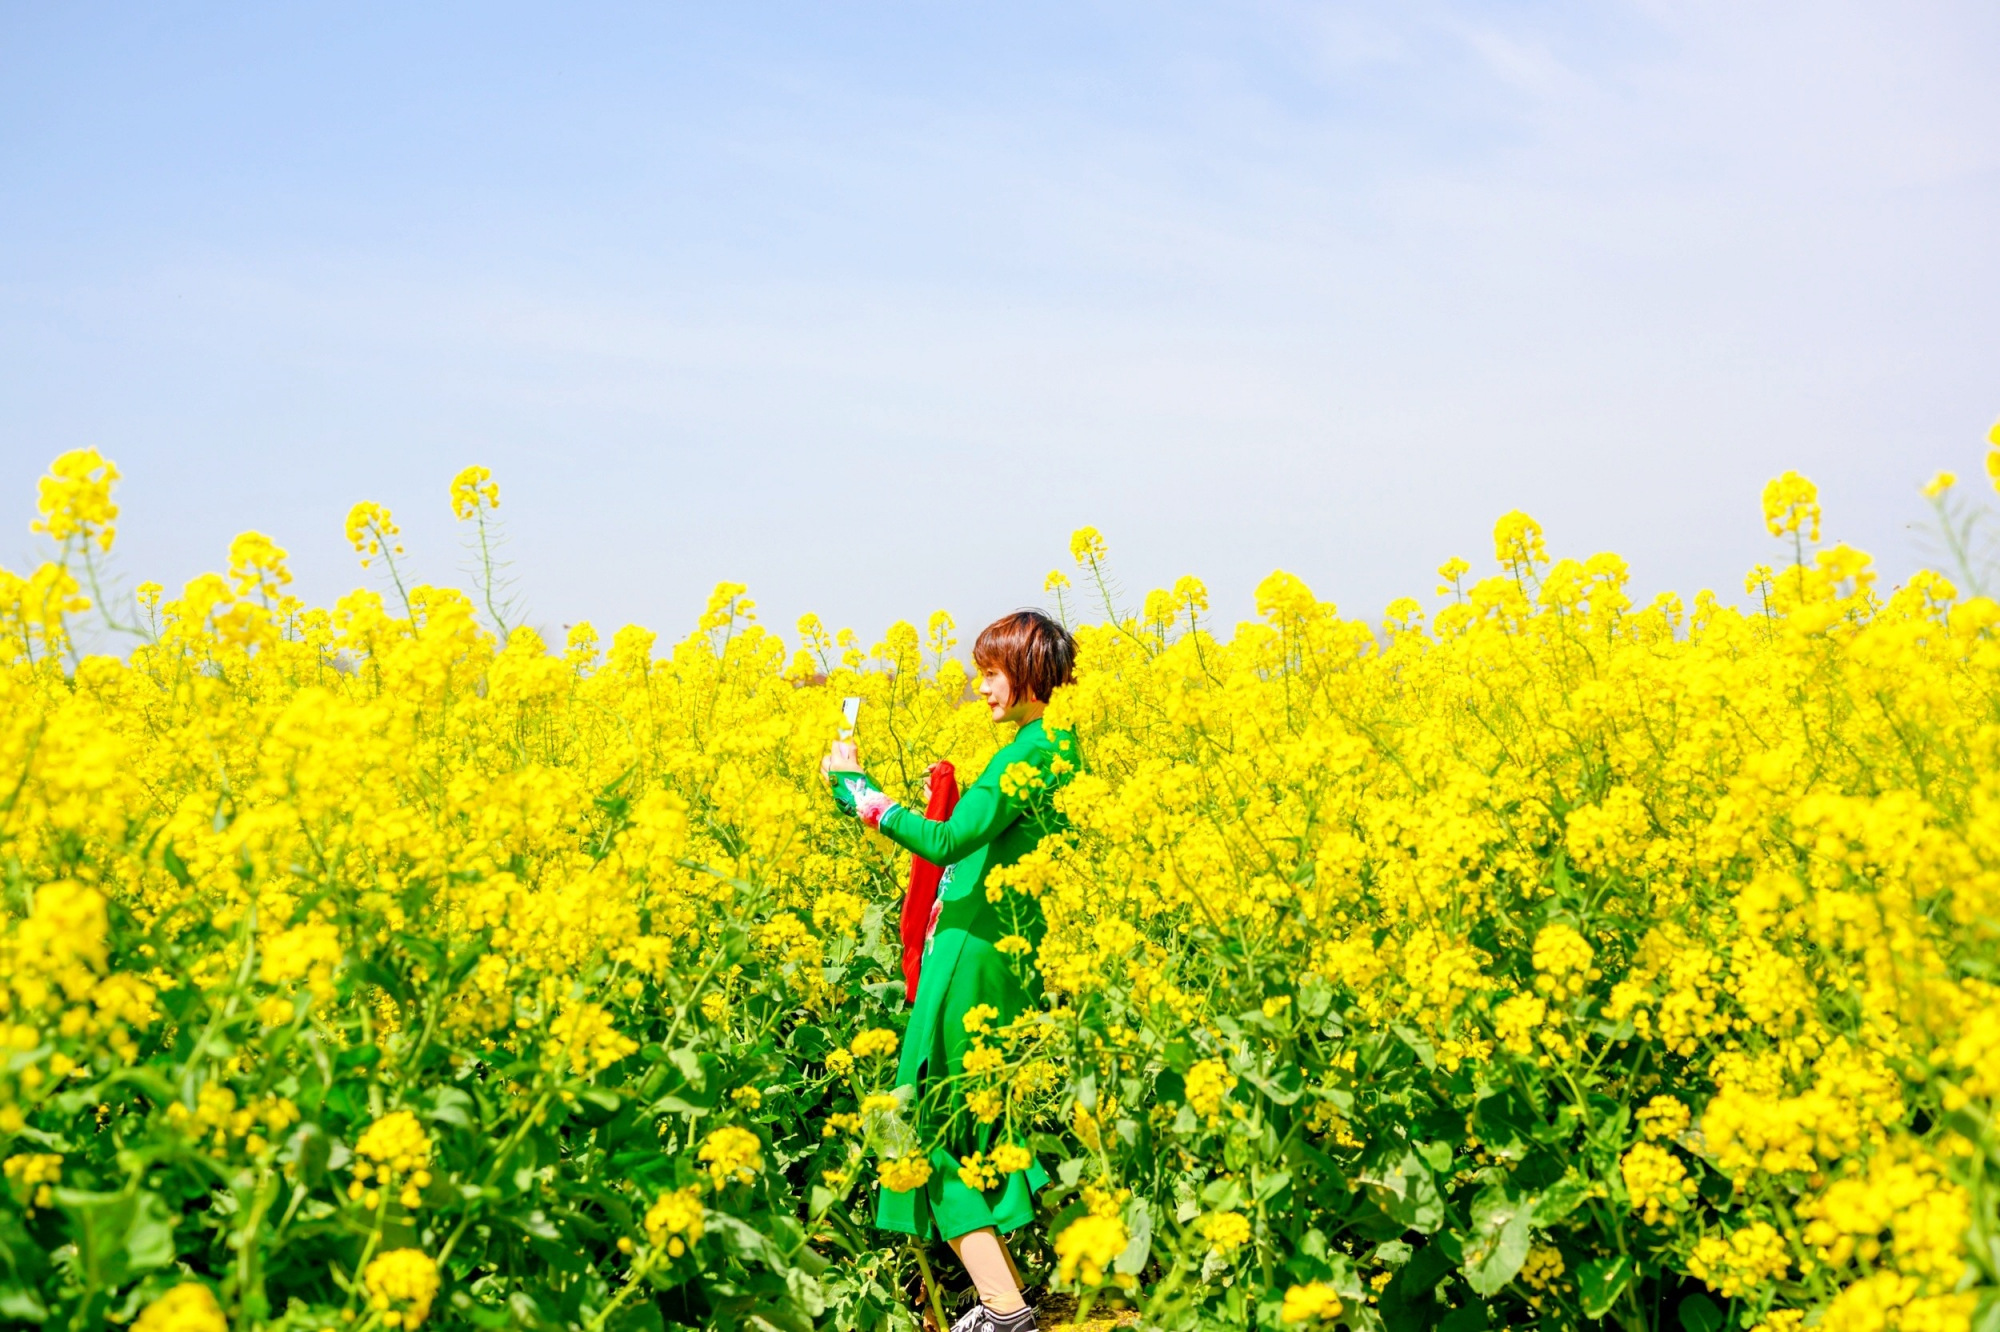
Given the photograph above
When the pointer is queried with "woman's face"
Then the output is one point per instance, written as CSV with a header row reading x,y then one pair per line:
x,y
998,691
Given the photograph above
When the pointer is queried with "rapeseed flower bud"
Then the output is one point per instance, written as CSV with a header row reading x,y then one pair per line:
x,y
309,952
1517,1020
371,529
873,1042
1208,1082
30,1175
1314,1302
1518,543
983,1059
674,1221
1656,1182
732,1154
1791,505
583,1035
1010,1157
1741,1261
257,564
471,489
976,1172
1562,961
401,1285
393,1150
1543,1266
74,499
1087,1247
188,1307
1663,1117
904,1173
1226,1232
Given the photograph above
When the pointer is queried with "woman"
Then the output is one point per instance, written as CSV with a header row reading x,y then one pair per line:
x,y
1022,659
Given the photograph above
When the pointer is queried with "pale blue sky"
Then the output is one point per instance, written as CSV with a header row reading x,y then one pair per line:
x,y
868,305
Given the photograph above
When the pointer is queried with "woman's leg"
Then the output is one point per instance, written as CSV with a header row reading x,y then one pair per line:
x,y
991,1268
1012,1270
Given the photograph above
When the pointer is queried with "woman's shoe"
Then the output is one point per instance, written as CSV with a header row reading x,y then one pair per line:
x,y
1021,1320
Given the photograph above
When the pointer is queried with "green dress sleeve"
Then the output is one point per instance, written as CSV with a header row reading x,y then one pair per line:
x,y
983,813
986,810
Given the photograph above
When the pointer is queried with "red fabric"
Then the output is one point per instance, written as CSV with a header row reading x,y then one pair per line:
x,y
924,876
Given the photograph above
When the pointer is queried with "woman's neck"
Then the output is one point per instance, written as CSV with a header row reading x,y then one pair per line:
x,y
1027,712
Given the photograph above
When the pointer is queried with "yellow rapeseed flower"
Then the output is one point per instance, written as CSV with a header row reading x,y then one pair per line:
x,y
401,1285
188,1307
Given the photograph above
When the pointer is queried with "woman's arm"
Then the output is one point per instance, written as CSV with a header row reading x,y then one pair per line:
x,y
983,813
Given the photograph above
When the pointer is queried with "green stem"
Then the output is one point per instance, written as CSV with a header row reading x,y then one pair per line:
x,y
638,1274
486,572
930,1287
493,1173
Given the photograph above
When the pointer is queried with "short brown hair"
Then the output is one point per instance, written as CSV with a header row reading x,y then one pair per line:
x,y
1034,652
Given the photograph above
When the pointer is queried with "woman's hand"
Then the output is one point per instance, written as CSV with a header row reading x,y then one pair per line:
x,y
844,758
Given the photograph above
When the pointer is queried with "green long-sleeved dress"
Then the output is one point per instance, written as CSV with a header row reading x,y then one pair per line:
x,y
995,823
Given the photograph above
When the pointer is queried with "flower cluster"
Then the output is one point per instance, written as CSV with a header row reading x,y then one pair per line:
x,y
1536,955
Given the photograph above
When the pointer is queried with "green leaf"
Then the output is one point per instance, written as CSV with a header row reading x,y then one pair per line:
x,y
641,1315
361,1056
1340,1274
1470,1318
149,1240
1139,1218
1506,1124
1560,1199
1422,1047
308,1151
118,1235
1283,1087
1405,1190
1987,1317
534,1222
21,1304
689,1064
1437,1155
1224,1194
1700,1314
449,1105
1602,1281
1393,1253
1502,1227
743,1241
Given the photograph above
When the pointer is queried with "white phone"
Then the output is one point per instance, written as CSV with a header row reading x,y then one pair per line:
x,y
850,708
